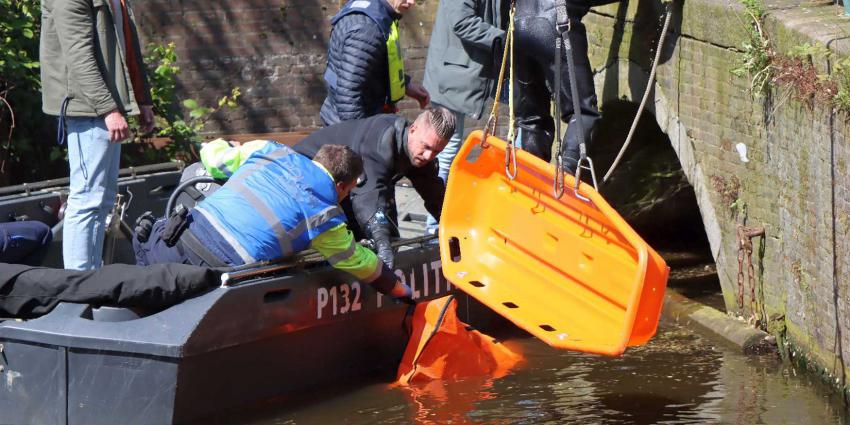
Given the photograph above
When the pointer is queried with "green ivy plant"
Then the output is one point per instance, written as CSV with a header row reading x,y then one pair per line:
x,y
755,57
23,150
180,121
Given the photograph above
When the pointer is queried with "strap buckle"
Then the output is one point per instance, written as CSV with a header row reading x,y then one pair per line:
x,y
562,22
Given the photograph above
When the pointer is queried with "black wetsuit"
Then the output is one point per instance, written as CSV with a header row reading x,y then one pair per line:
x,y
382,142
534,62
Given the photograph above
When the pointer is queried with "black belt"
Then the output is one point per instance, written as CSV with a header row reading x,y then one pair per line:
x,y
191,243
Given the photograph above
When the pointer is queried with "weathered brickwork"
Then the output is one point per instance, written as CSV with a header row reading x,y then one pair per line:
x,y
275,51
796,182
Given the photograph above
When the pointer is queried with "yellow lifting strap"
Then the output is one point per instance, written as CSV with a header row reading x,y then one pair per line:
x,y
568,269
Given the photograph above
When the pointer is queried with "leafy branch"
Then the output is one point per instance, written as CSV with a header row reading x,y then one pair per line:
x,y
180,121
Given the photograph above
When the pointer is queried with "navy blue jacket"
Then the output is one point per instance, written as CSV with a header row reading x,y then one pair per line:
x,y
357,74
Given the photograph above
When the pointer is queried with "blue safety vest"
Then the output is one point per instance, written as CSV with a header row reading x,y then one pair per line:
x,y
272,206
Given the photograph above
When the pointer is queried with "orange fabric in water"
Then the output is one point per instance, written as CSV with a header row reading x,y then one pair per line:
x,y
443,347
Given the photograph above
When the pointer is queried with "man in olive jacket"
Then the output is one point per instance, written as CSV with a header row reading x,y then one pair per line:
x,y
92,78
459,71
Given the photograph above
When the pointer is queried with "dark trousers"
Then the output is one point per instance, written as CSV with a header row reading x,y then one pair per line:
x,y
24,242
27,291
534,71
155,251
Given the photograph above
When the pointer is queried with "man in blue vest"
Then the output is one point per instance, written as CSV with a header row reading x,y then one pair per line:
x,y
365,72
275,203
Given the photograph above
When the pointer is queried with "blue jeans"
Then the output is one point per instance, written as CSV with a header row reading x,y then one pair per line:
x,y
94,164
445,159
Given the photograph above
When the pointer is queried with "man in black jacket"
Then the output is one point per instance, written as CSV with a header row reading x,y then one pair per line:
x,y
365,72
391,148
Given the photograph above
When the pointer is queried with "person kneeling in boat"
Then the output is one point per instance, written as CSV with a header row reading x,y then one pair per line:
x,y
274,204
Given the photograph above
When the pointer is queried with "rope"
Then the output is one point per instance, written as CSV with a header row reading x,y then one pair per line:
x,y
649,85
493,120
510,149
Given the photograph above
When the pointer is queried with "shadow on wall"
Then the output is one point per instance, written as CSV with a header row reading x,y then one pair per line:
x,y
273,50
646,31
648,188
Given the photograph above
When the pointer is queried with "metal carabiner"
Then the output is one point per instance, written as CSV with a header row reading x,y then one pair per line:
x,y
489,129
558,182
579,167
510,159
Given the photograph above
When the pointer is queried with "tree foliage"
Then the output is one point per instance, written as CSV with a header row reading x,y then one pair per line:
x,y
22,129
28,148
181,121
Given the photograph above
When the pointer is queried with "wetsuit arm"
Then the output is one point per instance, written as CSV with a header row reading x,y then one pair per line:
x,y
430,187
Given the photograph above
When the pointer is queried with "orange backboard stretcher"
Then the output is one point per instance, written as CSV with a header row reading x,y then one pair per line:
x,y
571,272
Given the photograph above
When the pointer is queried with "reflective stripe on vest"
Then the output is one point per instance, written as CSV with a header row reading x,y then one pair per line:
x,y
314,221
396,64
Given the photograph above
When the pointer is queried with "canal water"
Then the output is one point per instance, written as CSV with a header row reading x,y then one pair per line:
x,y
680,377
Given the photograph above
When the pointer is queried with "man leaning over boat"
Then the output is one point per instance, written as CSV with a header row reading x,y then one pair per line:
x,y
275,203
391,148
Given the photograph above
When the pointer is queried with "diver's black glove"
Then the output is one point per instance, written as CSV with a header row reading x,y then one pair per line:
x,y
378,228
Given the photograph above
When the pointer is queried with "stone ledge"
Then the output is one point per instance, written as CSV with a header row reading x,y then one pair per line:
x,y
732,331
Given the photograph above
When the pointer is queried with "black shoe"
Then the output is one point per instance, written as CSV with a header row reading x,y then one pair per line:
x,y
144,225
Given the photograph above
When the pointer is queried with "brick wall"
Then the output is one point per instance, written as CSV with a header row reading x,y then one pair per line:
x,y
275,51
795,184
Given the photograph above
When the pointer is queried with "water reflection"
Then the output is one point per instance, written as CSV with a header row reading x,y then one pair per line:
x,y
678,378
441,402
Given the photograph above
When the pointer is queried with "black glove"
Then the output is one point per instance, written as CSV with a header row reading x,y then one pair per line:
x,y
144,224
378,228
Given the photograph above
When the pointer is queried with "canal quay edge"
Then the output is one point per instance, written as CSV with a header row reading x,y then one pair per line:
x,y
766,152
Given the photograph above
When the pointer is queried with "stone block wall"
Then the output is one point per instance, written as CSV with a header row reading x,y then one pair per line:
x,y
795,182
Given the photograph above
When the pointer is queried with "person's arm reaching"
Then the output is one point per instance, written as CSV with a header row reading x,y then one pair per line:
x,y
337,245
430,187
